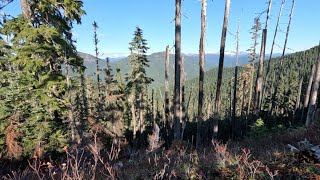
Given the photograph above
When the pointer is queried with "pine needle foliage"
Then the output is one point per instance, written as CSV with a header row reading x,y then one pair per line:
x,y
32,82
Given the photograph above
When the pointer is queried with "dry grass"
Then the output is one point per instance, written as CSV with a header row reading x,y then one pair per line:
x,y
78,164
264,158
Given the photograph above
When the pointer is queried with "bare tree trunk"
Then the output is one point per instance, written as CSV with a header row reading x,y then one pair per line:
x,y
299,95
259,80
177,105
287,33
268,14
243,98
201,69
166,86
133,114
242,108
182,99
209,108
25,7
162,104
233,125
230,106
141,113
251,89
312,104
188,102
166,93
272,47
307,96
220,70
142,108
274,37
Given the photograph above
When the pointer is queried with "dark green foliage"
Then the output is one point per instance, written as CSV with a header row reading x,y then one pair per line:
x,y
137,78
295,66
109,81
34,86
123,103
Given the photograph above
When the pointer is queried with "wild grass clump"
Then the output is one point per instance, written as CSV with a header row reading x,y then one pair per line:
x,y
86,163
241,165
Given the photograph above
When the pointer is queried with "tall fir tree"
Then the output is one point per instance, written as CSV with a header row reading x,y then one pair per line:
x,y
138,79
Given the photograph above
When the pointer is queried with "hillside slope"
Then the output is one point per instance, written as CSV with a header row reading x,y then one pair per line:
x,y
156,69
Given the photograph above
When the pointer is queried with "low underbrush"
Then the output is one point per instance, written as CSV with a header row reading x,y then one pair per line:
x,y
259,158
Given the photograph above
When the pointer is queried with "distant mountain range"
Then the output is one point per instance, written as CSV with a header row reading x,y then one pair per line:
x,y
156,69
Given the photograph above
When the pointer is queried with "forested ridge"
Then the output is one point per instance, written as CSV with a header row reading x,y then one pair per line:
x,y
258,120
156,69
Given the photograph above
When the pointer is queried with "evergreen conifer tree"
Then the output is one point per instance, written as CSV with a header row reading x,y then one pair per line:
x,y
138,79
109,82
38,95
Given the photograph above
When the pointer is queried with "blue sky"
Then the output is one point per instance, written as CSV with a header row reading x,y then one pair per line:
x,y
117,20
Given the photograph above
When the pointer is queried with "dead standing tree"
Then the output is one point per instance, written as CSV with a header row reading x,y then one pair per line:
x,y
201,69
287,33
272,47
298,97
259,80
166,93
182,99
233,124
166,87
275,36
220,70
314,93
177,72
307,96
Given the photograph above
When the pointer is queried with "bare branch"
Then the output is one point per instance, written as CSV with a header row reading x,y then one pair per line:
x,y
8,2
